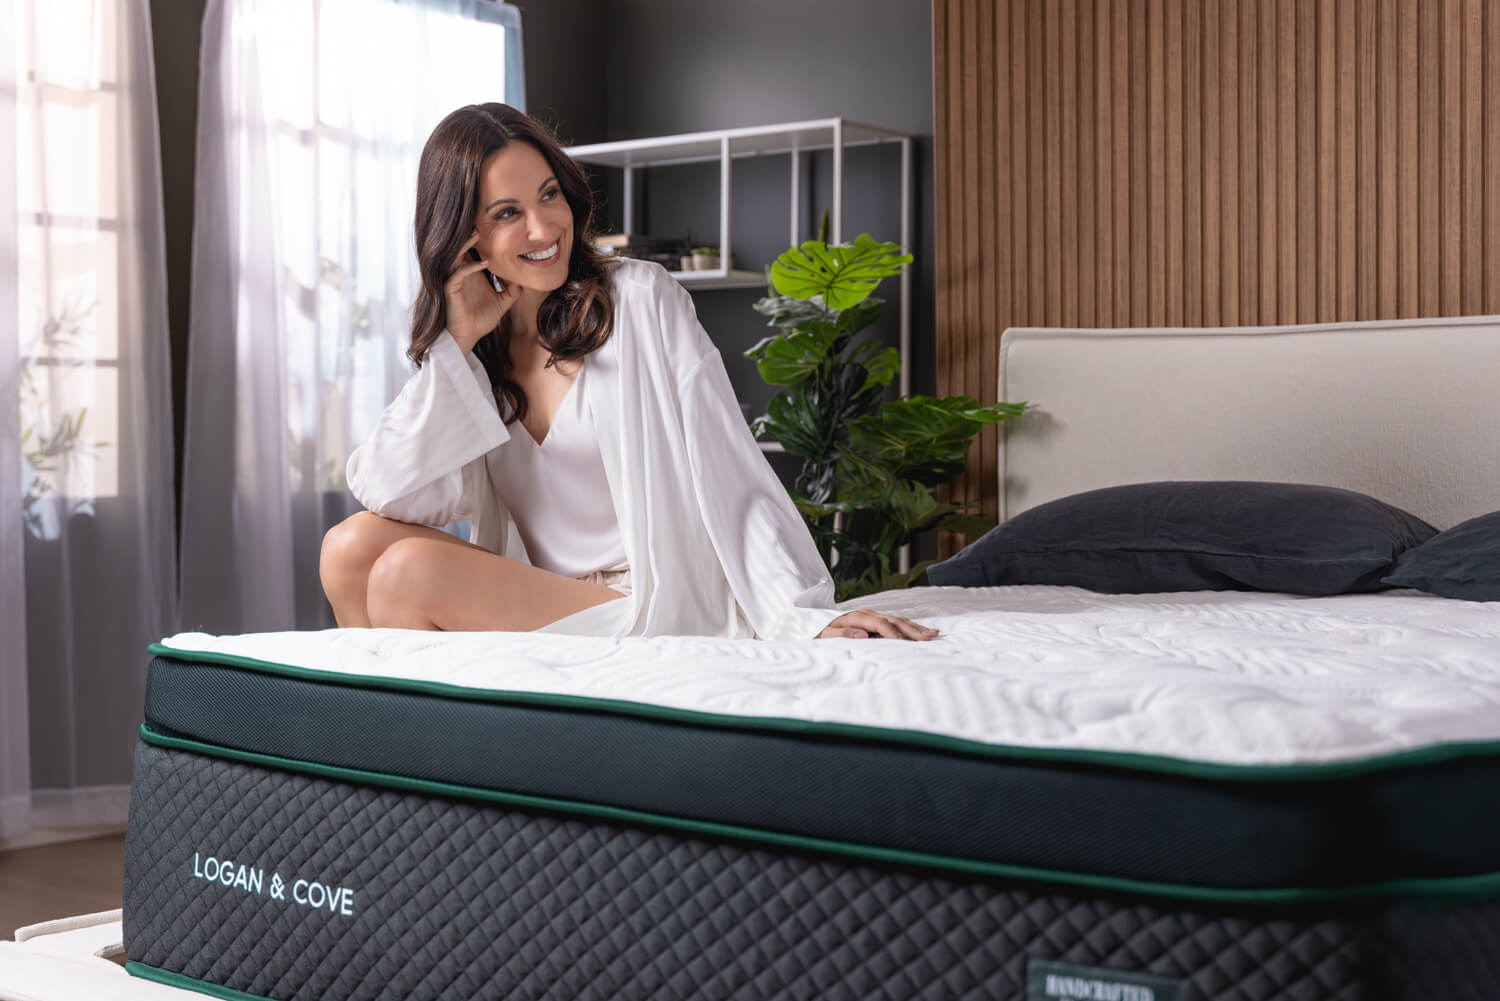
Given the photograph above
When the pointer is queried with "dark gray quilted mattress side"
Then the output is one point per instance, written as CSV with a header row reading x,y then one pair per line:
x,y
428,898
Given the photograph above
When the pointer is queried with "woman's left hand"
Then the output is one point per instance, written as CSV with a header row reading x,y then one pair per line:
x,y
865,623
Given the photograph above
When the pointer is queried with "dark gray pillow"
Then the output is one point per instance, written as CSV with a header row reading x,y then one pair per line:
x,y
1195,536
1463,562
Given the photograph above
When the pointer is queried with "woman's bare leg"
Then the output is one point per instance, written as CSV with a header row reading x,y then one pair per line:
x,y
423,583
350,550
403,585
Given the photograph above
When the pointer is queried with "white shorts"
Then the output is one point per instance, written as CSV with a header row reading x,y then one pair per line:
x,y
618,580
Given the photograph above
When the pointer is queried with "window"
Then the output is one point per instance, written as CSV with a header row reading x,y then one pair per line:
x,y
68,108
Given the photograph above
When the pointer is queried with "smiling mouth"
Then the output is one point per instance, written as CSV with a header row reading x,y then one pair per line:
x,y
545,256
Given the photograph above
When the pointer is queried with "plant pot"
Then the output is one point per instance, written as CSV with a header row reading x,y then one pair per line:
x,y
687,264
705,262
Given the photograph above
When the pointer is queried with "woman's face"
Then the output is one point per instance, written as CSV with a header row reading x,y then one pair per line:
x,y
525,225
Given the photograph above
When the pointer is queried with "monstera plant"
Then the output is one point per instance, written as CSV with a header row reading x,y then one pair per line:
x,y
870,466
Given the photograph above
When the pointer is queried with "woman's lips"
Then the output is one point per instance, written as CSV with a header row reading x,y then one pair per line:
x,y
556,250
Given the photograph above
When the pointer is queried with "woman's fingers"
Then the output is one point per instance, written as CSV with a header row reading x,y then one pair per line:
x,y
474,307
880,625
894,627
913,630
865,623
462,271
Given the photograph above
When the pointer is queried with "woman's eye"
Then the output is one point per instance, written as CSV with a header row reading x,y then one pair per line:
x,y
510,212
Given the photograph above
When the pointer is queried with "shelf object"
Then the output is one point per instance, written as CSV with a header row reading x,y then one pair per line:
x,y
719,278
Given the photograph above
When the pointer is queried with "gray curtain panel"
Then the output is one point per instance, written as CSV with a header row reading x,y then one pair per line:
x,y
85,434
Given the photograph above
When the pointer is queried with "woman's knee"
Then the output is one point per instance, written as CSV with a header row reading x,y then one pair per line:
x,y
351,547
400,577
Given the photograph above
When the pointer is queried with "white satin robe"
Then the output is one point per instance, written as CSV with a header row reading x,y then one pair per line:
x,y
715,545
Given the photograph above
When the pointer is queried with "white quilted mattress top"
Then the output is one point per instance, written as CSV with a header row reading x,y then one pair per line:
x,y
1223,677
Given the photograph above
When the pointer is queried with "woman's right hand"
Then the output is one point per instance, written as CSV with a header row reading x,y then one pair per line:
x,y
474,307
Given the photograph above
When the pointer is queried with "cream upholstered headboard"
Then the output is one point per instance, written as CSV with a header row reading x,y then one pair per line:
x,y
1407,411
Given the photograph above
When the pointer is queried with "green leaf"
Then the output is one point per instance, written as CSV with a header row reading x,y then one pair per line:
x,y
860,315
898,580
971,525
787,359
842,274
996,412
923,438
824,510
858,587
785,311
881,363
798,424
911,501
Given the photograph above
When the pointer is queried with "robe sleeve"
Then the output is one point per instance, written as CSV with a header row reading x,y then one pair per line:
x,y
411,468
766,550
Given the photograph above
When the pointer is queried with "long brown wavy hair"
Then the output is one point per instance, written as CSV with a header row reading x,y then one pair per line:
x,y
573,320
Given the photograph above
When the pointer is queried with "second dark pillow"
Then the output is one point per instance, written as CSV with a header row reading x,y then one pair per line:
x,y
1463,562
1195,536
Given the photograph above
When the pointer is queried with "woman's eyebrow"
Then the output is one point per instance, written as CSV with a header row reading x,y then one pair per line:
x,y
501,201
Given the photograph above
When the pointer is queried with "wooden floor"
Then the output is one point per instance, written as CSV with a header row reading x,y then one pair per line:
x,y
55,881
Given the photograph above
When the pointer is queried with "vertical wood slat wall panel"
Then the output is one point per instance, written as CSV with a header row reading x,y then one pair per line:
x,y
1236,162
1088,199
1305,211
1429,146
1387,142
1491,157
1192,165
1407,172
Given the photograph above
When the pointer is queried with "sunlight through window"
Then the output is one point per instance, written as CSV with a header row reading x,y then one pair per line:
x,y
69,307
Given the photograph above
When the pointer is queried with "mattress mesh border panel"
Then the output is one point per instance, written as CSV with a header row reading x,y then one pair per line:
x,y
463,900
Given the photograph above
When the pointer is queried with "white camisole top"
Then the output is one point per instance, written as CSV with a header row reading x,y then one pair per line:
x,y
558,493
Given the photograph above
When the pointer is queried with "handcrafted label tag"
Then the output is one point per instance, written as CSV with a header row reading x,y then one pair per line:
x,y
1048,981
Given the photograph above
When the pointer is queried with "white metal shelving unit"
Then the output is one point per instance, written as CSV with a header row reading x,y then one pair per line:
x,y
792,139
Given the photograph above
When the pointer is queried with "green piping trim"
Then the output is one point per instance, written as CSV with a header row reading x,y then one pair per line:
x,y
1412,758
188,983
1460,887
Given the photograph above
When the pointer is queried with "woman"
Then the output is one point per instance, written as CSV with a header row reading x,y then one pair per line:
x,y
572,409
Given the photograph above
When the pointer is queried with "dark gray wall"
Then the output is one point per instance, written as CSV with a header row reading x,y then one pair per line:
x,y
685,65
566,50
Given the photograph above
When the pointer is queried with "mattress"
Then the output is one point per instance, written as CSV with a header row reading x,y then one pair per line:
x,y
367,814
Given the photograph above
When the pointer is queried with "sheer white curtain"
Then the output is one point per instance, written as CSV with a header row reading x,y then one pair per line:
x,y
312,116
86,547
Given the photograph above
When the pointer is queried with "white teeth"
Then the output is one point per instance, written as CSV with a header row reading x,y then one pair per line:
x,y
542,255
